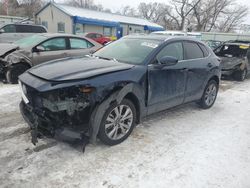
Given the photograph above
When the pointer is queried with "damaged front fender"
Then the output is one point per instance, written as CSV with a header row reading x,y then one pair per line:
x,y
117,97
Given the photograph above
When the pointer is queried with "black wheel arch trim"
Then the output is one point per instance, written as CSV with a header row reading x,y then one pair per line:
x,y
117,97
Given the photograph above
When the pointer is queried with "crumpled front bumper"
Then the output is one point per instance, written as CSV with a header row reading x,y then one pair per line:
x,y
40,124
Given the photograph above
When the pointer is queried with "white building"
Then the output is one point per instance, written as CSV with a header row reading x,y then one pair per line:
x,y
66,19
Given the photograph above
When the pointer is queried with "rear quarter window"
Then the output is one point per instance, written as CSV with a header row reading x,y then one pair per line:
x,y
39,29
205,50
192,50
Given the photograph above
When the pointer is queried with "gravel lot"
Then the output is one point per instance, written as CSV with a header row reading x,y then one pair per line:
x,y
181,147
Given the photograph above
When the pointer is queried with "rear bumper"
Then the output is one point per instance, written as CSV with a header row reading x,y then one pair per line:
x,y
40,124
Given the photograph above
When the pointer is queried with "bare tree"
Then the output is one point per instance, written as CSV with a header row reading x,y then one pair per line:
x,y
153,11
88,4
181,9
128,11
232,18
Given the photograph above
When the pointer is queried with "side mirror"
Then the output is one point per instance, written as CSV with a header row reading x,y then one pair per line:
x,y
38,49
1,31
168,60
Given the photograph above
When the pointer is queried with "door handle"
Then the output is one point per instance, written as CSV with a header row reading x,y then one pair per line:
x,y
209,65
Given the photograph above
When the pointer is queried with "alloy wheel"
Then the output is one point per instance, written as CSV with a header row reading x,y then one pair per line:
x,y
210,94
119,122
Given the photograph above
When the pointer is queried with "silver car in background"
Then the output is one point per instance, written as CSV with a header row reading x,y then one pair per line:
x,y
19,56
14,31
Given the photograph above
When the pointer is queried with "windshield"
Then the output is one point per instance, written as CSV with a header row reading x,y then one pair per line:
x,y
132,51
30,41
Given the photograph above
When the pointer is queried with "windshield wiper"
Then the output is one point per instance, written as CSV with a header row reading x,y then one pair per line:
x,y
106,58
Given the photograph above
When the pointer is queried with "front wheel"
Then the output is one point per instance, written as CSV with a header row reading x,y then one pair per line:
x,y
209,95
117,123
14,71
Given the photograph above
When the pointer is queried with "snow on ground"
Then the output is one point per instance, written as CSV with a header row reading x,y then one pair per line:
x,y
182,147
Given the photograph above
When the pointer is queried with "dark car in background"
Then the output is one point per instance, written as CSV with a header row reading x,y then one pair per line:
x,y
12,32
19,56
98,38
106,94
234,59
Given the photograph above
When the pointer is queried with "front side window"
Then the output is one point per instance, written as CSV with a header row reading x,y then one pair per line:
x,y
9,28
54,44
61,27
76,43
192,50
127,50
174,50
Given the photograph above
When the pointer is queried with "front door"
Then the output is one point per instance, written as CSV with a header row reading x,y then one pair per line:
x,y
51,49
166,87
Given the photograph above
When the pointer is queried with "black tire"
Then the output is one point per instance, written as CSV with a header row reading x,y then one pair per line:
x,y
204,100
103,131
14,71
240,75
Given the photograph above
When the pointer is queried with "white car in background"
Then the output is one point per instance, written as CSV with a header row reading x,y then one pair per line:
x,y
196,35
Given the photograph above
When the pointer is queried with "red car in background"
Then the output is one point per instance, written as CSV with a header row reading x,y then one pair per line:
x,y
98,38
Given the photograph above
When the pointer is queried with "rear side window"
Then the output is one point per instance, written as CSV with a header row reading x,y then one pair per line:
x,y
76,43
39,29
9,28
24,29
192,50
204,49
174,49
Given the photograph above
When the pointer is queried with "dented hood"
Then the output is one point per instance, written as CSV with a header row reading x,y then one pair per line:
x,y
76,68
5,48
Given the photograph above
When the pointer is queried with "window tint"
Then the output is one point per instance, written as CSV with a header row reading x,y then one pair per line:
x,y
61,27
76,43
204,49
24,29
90,35
174,49
9,28
192,50
54,44
38,29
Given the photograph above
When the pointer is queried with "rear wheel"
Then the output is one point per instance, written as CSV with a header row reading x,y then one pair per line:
x,y
240,75
209,95
117,123
14,71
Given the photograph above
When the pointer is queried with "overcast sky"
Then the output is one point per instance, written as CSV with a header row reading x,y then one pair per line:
x,y
115,5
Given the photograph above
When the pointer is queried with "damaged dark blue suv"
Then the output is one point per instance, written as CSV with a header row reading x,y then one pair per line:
x,y
105,94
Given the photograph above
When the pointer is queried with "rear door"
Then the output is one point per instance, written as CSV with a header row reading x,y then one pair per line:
x,y
166,87
198,65
51,49
80,47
